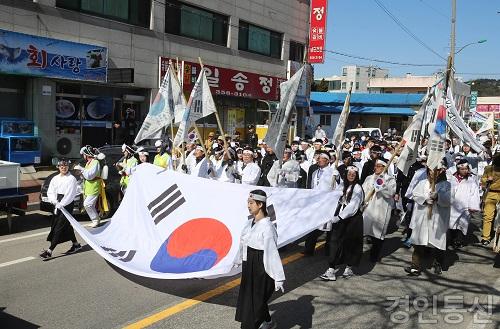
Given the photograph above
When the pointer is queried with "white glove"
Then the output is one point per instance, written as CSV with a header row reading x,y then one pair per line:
x,y
335,219
336,172
78,167
433,195
429,201
58,206
278,285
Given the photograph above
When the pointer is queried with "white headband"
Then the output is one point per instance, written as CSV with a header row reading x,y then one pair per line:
x,y
257,197
247,152
324,155
463,165
380,162
353,168
199,148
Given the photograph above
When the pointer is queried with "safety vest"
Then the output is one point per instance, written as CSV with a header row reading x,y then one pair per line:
x,y
161,160
127,164
92,187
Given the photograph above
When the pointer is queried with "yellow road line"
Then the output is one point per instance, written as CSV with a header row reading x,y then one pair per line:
x,y
177,308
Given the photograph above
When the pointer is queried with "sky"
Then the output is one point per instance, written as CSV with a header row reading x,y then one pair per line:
x,y
362,28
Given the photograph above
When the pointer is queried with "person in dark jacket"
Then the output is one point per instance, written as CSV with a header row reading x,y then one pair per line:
x,y
266,165
369,166
252,138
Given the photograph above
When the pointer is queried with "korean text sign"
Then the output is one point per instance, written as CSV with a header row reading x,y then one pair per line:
x,y
317,31
229,82
25,54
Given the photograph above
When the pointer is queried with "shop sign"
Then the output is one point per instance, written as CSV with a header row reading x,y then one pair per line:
x,y
25,54
317,31
489,108
228,82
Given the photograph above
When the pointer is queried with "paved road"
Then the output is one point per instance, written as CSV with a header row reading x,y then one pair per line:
x,y
84,291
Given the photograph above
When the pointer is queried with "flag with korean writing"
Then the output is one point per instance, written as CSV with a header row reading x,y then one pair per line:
x,y
278,129
437,129
200,104
167,102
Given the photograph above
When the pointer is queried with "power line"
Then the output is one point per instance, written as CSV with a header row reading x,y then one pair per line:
x,y
380,60
434,9
404,28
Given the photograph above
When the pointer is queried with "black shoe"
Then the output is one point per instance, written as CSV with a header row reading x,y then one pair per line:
x,y
74,248
45,255
412,271
437,269
485,242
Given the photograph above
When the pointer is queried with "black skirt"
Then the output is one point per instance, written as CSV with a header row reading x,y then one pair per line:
x,y
346,244
61,230
256,289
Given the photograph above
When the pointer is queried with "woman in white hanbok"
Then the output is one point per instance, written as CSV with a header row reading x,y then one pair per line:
x,y
464,200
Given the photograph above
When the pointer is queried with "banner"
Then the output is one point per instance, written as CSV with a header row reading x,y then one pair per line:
x,y
459,127
200,104
168,227
168,101
317,31
437,128
411,138
25,54
276,136
338,134
488,125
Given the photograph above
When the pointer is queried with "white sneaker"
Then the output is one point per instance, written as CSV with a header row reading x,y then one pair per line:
x,y
329,275
347,273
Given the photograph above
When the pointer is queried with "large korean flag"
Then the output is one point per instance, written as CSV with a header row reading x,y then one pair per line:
x,y
168,226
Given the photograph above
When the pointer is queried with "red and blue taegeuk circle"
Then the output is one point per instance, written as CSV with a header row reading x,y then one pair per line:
x,y
197,245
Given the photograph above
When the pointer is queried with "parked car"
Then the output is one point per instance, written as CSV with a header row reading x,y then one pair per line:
x,y
367,132
113,155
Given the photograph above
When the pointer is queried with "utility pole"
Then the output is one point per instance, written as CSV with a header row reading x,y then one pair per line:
x,y
451,57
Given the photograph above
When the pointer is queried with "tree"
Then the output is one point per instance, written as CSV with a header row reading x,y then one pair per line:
x,y
321,86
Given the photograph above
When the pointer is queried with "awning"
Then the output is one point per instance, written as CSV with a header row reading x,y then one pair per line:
x,y
323,98
366,110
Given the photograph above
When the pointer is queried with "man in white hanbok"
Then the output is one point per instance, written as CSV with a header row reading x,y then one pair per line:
x,y
200,165
429,232
248,170
379,203
465,199
287,175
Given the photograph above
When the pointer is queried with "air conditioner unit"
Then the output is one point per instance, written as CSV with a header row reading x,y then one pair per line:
x,y
133,98
68,145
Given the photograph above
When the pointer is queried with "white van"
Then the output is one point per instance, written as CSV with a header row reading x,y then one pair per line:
x,y
368,132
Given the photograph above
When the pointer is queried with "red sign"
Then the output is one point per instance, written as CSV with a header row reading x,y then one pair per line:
x,y
228,82
488,108
317,31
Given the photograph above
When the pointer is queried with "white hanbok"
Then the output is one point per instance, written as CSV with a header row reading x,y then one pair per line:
x,y
324,179
222,171
286,176
199,169
420,175
431,231
377,214
262,236
464,196
65,185
250,174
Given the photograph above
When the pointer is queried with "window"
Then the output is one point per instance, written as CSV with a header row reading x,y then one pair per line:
x,y
374,71
135,12
343,85
334,85
358,70
296,51
259,40
344,71
396,122
325,120
196,23
357,85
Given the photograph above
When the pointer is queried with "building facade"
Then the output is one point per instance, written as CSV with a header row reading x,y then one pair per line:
x,y
246,43
357,76
402,85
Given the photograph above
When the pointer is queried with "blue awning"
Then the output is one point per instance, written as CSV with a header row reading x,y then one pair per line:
x,y
365,110
322,98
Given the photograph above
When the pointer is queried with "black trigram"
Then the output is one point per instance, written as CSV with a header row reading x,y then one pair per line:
x,y
437,146
166,203
124,256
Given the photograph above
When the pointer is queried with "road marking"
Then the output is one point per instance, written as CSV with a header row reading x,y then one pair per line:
x,y
17,261
486,320
41,233
177,308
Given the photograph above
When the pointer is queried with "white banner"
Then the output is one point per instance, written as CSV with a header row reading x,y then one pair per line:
x,y
459,127
276,135
411,138
168,101
437,128
200,104
338,134
488,125
168,226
